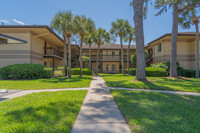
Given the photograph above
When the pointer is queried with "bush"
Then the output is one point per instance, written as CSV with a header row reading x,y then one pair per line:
x,y
151,72
25,71
86,71
59,72
133,58
180,70
190,73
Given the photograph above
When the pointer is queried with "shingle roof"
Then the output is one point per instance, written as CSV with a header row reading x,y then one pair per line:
x,y
109,46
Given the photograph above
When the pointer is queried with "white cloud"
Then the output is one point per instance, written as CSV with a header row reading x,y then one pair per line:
x,y
19,22
5,21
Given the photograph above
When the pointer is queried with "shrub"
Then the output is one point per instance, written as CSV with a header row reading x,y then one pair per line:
x,y
86,59
190,73
25,71
151,72
180,70
133,58
86,71
59,72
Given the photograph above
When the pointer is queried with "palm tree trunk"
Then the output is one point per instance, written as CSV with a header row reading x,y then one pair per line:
x,y
65,56
128,55
69,55
97,64
81,59
122,55
173,57
197,50
139,35
90,64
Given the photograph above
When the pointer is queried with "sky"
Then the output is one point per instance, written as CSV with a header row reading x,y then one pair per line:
x,y
103,12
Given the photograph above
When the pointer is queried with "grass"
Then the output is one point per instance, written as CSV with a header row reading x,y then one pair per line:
x,y
157,83
49,112
150,112
53,83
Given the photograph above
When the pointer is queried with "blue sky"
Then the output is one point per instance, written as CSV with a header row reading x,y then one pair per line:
x,y
103,12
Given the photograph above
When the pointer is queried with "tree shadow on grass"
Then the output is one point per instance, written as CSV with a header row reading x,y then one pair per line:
x,y
156,84
65,80
53,117
157,112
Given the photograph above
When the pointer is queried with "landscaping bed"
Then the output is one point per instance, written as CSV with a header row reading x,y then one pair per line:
x,y
51,83
41,112
157,112
156,83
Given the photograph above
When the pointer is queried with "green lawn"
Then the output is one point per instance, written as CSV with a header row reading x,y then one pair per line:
x,y
49,112
150,112
157,83
53,83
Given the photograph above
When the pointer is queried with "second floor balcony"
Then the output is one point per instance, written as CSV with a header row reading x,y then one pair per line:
x,y
108,57
53,52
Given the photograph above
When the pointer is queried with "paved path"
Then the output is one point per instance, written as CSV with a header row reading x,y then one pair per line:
x,y
18,93
99,112
160,91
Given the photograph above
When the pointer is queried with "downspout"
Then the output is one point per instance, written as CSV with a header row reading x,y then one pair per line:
x,y
32,42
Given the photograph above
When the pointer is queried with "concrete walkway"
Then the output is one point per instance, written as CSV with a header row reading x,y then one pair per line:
x,y
160,91
99,112
18,93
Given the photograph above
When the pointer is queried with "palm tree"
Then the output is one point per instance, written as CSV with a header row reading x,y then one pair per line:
x,y
130,37
89,37
178,7
139,12
119,29
62,22
80,24
100,37
186,19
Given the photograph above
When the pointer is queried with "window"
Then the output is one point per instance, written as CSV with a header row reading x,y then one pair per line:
x,y
159,47
113,67
3,41
107,53
45,63
113,53
107,67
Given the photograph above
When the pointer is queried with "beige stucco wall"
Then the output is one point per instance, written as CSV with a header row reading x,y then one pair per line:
x,y
31,52
110,64
15,53
185,52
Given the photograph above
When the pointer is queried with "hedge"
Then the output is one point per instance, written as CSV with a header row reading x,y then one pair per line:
x,y
86,71
180,70
150,72
25,71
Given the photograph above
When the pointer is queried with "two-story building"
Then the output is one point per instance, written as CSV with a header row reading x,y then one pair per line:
x,y
110,57
32,44
186,49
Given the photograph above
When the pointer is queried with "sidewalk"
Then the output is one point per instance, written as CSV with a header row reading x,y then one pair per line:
x,y
18,93
99,112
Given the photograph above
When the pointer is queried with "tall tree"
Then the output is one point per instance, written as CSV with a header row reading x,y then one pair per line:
x,y
80,24
119,28
130,37
186,19
178,6
140,9
100,37
89,37
62,22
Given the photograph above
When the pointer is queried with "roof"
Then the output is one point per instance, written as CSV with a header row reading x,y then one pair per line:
x,y
32,26
109,46
170,34
10,27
